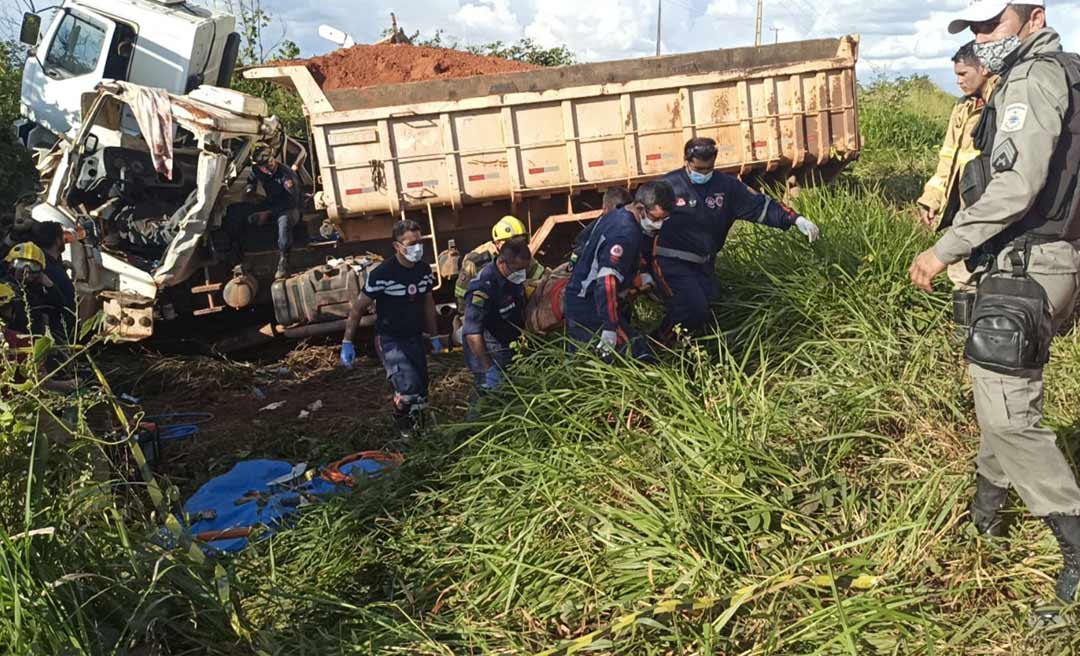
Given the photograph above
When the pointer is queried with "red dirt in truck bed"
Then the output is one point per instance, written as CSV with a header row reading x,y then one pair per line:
x,y
369,66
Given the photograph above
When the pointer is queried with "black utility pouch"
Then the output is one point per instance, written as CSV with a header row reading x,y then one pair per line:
x,y
963,303
974,179
1010,328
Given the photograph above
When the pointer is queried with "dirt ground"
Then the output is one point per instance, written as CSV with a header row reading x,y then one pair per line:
x,y
367,66
354,413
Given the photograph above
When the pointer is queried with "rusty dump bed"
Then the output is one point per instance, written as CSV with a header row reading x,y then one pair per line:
x,y
453,143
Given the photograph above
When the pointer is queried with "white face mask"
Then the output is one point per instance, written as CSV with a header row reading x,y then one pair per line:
x,y
650,226
414,253
517,277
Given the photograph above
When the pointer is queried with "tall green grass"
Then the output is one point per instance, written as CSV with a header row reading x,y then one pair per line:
x,y
822,429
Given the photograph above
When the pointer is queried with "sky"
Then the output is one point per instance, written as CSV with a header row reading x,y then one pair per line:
x,y
899,37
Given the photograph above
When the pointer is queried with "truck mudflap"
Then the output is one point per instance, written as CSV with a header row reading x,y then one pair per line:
x,y
321,294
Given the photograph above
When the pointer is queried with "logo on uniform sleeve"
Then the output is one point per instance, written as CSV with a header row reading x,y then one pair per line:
x,y
1005,155
1014,117
680,202
412,290
288,184
616,252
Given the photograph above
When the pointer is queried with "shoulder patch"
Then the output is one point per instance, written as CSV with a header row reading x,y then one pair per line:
x,y
479,298
1014,117
1004,156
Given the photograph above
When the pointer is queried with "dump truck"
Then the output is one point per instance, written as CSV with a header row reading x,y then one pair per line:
x,y
543,145
454,155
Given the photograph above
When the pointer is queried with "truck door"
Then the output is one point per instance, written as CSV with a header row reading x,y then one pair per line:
x,y
71,61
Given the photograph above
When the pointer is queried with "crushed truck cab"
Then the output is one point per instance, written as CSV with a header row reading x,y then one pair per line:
x,y
142,234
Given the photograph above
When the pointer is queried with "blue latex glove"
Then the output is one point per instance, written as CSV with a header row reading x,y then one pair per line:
x,y
492,377
436,345
348,354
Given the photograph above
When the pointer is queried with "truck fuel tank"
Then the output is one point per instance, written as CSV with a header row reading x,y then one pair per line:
x,y
323,293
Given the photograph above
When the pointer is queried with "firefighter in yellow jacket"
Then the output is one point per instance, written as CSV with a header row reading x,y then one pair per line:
x,y
941,196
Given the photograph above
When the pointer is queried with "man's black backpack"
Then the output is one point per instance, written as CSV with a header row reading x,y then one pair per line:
x,y
1011,325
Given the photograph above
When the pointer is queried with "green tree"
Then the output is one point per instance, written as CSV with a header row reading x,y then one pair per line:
x,y
16,171
525,50
253,23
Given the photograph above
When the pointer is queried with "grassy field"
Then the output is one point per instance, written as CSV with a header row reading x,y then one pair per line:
x,y
802,473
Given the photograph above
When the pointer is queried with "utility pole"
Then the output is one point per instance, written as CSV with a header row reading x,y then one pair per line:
x,y
776,31
757,24
659,15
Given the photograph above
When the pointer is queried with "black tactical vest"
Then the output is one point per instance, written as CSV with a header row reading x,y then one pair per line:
x,y
1054,216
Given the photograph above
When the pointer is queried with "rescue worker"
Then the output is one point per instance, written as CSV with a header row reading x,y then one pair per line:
x,y
609,265
400,289
615,198
282,203
24,271
60,298
707,203
495,313
1023,209
508,227
941,199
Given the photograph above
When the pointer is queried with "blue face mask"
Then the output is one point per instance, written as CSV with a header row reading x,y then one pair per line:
x,y
699,178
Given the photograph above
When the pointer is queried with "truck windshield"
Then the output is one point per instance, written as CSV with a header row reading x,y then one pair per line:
x,y
76,48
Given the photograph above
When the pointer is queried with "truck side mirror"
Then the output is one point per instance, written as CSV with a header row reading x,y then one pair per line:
x,y
30,30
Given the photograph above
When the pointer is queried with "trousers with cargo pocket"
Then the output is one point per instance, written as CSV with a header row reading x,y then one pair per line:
x,y
1016,449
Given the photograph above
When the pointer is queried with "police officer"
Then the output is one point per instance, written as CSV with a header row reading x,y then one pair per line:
x,y
495,312
282,204
400,288
1024,209
707,203
608,266
508,227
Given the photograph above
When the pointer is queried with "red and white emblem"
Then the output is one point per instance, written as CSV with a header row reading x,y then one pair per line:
x,y
616,250
412,290
680,202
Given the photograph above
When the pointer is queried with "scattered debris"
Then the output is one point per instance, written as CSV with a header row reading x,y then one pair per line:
x,y
273,406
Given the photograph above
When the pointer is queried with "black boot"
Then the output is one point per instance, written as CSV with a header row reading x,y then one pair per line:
x,y
282,267
986,508
1066,529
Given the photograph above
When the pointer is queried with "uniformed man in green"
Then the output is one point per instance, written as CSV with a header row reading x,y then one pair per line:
x,y
1023,206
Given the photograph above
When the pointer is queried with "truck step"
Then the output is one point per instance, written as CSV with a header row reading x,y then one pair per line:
x,y
207,289
209,310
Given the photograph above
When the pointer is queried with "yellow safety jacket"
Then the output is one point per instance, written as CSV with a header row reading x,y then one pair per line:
x,y
956,152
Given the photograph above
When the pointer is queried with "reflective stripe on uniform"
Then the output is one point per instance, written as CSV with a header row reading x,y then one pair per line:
x,y
676,254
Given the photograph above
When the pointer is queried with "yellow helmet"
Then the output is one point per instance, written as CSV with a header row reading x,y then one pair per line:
x,y
28,251
506,228
7,294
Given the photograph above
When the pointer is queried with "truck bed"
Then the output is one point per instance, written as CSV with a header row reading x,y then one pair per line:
x,y
454,143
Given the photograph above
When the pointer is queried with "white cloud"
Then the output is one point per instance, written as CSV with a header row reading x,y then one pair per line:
x,y
487,20
898,36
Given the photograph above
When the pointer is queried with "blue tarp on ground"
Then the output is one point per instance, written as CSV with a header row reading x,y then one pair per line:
x,y
244,498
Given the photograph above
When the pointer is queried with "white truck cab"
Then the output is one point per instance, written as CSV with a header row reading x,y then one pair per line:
x,y
170,44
